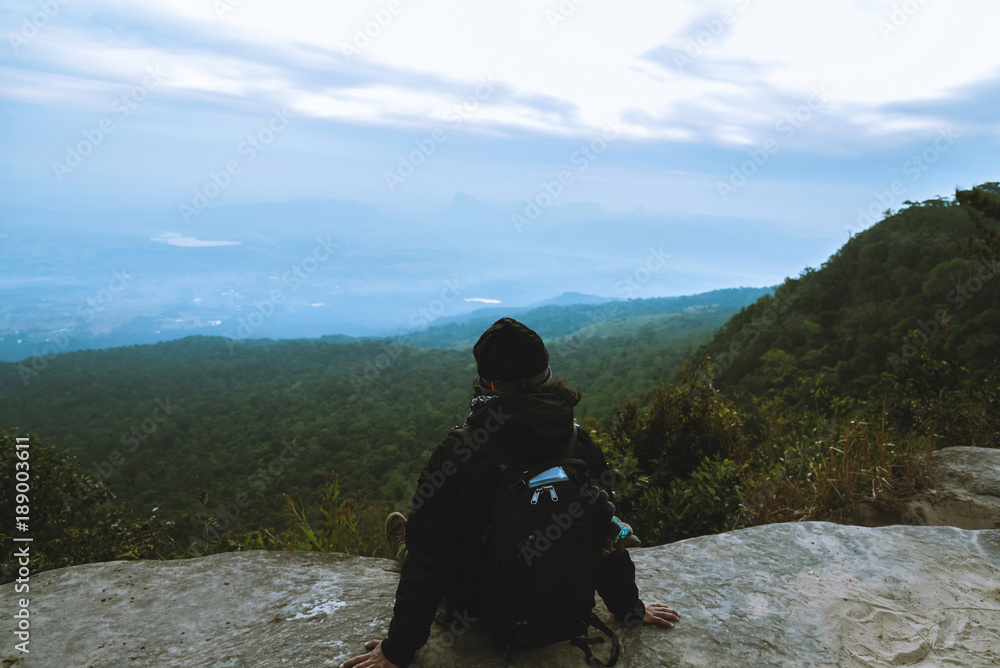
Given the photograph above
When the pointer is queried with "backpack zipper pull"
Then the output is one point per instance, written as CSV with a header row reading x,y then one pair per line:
x,y
538,492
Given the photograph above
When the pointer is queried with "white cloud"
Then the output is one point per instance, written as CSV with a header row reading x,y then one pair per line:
x,y
592,67
174,239
483,300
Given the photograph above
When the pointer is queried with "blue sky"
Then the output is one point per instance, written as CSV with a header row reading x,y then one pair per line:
x,y
789,112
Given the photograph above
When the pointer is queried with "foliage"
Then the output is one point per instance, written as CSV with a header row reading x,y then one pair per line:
x,y
704,503
673,478
694,463
334,522
338,520
681,427
925,278
74,518
215,434
820,401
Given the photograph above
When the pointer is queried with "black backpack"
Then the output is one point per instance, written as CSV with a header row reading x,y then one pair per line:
x,y
543,554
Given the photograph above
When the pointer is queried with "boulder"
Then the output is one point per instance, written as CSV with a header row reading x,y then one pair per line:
x,y
964,490
799,594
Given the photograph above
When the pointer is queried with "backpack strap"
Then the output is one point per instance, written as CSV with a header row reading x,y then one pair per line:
x,y
585,643
500,460
571,448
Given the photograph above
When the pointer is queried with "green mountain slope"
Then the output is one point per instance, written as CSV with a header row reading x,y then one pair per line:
x,y
555,321
923,279
164,424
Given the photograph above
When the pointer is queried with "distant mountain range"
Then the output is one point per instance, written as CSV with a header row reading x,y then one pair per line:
x,y
312,267
554,321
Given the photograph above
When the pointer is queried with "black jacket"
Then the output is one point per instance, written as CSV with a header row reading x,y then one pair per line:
x,y
452,507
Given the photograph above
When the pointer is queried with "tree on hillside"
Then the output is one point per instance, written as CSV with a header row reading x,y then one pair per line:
x,y
72,516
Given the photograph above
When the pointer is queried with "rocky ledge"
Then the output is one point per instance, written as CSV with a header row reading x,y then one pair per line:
x,y
801,594
804,594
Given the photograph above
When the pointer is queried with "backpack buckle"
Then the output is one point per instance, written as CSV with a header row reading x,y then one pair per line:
x,y
514,484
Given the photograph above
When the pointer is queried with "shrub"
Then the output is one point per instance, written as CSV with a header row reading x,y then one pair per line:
x,y
74,517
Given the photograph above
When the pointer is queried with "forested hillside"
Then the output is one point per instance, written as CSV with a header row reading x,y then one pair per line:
x,y
168,423
825,400
819,401
553,321
922,280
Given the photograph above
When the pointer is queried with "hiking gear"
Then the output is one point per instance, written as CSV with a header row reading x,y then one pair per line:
x,y
623,528
509,352
628,541
395,533
496,386
584,643
624,536
453,507
543,551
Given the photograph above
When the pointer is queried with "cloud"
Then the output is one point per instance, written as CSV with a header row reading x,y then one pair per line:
x,y
483,300
174,239
741,54
554,87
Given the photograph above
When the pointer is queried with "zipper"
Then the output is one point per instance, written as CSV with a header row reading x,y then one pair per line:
x,y
538,492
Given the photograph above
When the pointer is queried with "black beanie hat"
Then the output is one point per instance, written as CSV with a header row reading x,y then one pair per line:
x,y
511,356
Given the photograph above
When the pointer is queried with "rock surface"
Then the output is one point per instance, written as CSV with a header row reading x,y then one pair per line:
x,y
804,594
965,490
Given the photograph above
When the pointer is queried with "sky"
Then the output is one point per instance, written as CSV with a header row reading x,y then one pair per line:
x,y
803,115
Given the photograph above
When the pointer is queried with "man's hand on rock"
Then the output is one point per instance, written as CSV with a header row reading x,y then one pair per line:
x,y
657,613
374,657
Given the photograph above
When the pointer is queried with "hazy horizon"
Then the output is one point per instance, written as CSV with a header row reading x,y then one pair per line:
x,y
205,150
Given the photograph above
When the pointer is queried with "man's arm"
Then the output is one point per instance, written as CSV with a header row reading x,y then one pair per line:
x,y
617,580
433,557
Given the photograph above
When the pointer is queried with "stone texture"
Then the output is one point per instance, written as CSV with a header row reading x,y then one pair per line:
x,y
965,490
805,594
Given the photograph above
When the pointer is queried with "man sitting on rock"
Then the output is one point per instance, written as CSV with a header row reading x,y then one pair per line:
x,y
516,400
